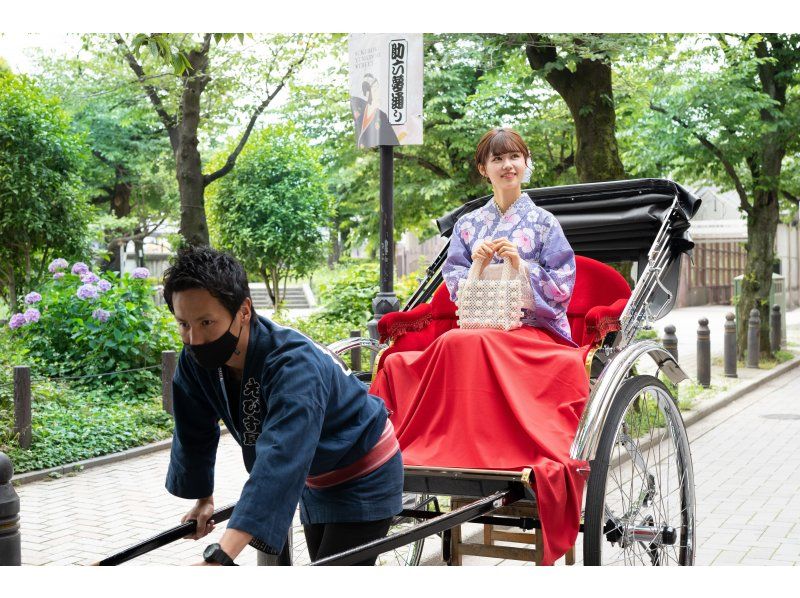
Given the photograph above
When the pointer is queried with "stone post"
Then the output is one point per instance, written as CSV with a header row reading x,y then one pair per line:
x,y
168,365
753,338
703,353
730,345
670,341
775,328
22,405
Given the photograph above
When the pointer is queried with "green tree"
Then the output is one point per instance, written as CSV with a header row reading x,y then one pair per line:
x,y
270,212
130,174
728,113
193,81
42,209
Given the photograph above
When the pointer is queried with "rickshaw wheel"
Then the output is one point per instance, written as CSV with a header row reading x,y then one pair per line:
x,y
640,504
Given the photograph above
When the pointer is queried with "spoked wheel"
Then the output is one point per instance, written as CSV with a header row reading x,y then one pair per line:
x,y
640,504
408,555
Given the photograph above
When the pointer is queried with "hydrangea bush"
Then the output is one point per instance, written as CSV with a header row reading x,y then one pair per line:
x,y
82,323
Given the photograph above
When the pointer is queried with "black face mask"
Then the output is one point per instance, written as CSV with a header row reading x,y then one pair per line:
x,y
215,354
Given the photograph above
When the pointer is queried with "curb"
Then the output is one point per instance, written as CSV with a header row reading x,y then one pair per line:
x,y
725,399
62,470
689,418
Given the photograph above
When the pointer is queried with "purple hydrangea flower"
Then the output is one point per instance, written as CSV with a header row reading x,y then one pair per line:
x,y
79,268
140,273
90,278
101,315
58,264
32,315
103,285
32,298
17,321
57,275
87,291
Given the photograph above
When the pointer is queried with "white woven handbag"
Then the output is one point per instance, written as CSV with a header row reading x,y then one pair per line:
x,y
485,303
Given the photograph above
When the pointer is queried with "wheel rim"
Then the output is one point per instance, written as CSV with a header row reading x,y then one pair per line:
x,y
648,507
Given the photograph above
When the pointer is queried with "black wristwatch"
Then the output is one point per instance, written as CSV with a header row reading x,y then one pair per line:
x,y
214,554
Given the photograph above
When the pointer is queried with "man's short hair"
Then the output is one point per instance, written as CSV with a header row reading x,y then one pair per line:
x,y
204,268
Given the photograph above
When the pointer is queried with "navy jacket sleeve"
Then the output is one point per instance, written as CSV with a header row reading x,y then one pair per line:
x,y
284,450
194,442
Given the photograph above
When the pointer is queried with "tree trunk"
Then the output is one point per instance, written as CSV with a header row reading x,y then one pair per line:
x,y
194,227
762,224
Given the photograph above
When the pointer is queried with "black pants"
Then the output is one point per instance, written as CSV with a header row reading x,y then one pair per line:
x,y
325,539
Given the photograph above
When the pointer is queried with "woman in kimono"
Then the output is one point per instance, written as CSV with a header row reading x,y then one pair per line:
x,y
495,399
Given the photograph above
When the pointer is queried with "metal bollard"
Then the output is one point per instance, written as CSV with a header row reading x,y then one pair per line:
x,y
670,341
355,354
730,345
703,353
775,328
753,338
10,538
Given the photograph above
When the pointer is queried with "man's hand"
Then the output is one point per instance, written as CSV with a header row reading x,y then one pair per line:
x,y
507,250
201,512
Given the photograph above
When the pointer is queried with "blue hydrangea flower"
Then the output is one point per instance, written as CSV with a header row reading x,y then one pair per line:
x,y
31,315
103,285
87,291
57,275
58,264
101,315
90,278
140,273
32,298
79,268
17,321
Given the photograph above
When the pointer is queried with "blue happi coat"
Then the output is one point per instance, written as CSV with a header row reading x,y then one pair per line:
x,y
541,245
300,413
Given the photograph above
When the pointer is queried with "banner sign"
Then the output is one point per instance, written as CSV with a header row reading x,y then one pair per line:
x,y
386,88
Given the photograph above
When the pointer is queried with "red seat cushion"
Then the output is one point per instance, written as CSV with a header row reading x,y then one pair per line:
x,y
598,298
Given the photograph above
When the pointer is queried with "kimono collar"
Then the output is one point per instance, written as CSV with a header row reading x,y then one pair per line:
x,y
511,209
258,346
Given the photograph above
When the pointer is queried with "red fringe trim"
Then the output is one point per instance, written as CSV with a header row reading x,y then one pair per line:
x,y
603,327
400,328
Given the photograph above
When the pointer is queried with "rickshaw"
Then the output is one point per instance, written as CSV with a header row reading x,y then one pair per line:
x,y
631,442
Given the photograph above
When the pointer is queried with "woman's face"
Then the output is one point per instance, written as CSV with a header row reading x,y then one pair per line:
x,y
505,170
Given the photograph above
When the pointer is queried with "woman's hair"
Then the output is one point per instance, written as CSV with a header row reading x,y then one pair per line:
x,y
499,141
204,268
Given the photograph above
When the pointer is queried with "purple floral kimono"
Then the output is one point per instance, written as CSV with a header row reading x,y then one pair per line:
x,y
541,244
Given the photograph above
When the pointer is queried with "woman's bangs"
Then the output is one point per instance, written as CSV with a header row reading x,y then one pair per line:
x,y
503,143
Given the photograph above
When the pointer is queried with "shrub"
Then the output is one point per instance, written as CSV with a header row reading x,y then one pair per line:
x,y
84,325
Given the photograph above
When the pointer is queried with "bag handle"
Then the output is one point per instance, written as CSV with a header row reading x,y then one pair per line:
x,y
475,270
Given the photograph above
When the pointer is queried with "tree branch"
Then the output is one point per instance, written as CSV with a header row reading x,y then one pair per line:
x,y
167,120
729,169
440,172
231,161
539,55
137,236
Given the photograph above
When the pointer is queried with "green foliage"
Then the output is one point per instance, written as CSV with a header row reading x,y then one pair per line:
x,y
270,210
70,340
70,425
347,295
320,328
42,210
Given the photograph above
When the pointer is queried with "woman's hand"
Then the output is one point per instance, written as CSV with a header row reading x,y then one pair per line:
x,y
483,252
507,250
201,512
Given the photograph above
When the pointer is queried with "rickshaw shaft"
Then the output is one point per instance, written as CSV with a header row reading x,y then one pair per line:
x,y
524,523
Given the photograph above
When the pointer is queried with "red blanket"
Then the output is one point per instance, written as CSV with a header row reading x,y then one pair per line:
x,y
489,399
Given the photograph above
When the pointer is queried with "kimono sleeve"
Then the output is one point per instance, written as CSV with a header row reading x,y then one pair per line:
x,y
553,277
194,443
284,450
458,262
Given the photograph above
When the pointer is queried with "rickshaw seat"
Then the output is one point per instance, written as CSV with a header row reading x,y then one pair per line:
x,y
598,298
